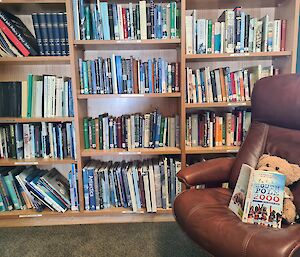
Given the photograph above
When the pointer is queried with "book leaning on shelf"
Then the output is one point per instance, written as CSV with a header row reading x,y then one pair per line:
x,y
148,184
37,140
150,130
221,85
117,75
212,130
234,32
111,21
31,188
40,96
51,30
15,38
258,197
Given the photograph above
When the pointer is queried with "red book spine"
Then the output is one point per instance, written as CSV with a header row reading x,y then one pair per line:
x,y
119,132
233,87
11,36
125,26
283,35
177,74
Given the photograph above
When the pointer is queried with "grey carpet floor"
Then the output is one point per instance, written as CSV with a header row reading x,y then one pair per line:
x,y
108,240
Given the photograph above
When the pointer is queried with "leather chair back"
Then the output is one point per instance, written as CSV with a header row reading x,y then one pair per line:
x,y
275,127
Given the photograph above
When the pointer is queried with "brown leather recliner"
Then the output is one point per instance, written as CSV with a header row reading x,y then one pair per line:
x,y
204,215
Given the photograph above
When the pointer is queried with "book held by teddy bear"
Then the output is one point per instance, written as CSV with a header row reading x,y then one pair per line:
x,y
258,197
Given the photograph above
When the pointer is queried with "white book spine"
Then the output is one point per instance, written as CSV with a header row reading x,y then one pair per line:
x,y
230,31
189,34
143,20
147,189
131,189
120,21
194,129
152,188
26,138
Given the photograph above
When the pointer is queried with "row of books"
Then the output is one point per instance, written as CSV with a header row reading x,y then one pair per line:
x,y
38,140
234,32
29,187
150,130
40,96
221,85
111,21
51,31
210,129
15,38
117,75
149,184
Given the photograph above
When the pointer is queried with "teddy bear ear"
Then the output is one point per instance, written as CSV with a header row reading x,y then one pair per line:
x,y
264,156
296,171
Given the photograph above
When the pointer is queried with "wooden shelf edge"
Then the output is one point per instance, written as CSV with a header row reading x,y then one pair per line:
x,y
32,1
36,59
237,55
127,42
207,150
29,120
38,161
135,151
47,218
153,95
217,105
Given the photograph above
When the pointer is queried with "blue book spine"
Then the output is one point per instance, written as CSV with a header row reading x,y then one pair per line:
x,y
157,135
50,34
119,74
76,19
72,193
106,191
136,187
60,140
57,46
62,33
66,35
95,21
154,128
82,20
85,178
197,91
44,33
94,84
150,73
71,99
203,86
159,23
242,32
91,185
101,81
155,23
112,189
115,18
227,76
85,77
122,188
54,142
38,33
159,75
105,22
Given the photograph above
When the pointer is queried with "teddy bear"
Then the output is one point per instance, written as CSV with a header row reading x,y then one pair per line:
x,y
292,173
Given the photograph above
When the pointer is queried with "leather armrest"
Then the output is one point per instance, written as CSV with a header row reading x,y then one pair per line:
x,y
211,171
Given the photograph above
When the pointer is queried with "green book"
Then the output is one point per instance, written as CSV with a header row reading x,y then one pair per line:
x,y
209,37
86,133
29,102
13,192
172,20
93,125
85,77
2,206
178,20
161,133
100,132
87,22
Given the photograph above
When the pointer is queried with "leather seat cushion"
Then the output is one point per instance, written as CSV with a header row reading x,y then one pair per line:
x,y
204,215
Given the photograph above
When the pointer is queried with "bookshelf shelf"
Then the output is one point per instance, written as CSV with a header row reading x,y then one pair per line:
x,y
217,105
35,120
155,95
135,151
197,57
208,150
38,161
32,1
36,60
127,44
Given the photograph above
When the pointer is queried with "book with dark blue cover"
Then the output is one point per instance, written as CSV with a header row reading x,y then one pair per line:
x,y
85,177
94,84
50,33
38,33
91,185
56,36
71,99
62,34
44,33
82,20
150,73
66,34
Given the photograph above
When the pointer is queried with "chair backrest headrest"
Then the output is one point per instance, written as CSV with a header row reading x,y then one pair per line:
x,y
276,101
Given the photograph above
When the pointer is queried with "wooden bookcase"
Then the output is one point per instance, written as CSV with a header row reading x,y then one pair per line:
x,y
171,103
